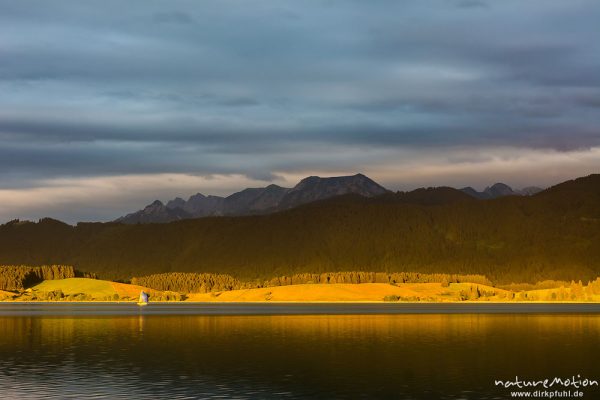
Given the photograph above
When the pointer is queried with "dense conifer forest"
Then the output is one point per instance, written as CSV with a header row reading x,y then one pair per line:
x,y
22,276
552,235
205,283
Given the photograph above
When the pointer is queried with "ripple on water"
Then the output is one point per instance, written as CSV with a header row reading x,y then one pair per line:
x,y
249,357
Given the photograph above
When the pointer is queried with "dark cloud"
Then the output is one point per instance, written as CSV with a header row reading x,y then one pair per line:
x,y
240,102
257,88
472,4
173,17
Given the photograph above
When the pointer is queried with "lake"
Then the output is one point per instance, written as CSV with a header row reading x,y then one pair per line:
x,y
121,352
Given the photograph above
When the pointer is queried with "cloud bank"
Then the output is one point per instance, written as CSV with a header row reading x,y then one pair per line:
x,y
161,94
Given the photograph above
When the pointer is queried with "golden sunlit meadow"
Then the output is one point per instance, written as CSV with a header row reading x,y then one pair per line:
x,y
85,289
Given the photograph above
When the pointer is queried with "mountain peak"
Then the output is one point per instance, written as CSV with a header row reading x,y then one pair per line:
x,y
155,204
499,186
196,196
498,190
315,188
154,212
308,180
177,202
357,178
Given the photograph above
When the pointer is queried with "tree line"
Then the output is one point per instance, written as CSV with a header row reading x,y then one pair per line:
x,y
19,277
187,282
205,282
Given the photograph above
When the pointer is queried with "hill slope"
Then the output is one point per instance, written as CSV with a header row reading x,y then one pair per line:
x,y
551,235
93,289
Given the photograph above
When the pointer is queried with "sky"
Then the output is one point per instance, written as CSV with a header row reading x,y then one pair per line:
x,y
108,105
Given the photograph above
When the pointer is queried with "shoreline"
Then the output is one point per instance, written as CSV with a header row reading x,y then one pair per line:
x,y
67,302
92,309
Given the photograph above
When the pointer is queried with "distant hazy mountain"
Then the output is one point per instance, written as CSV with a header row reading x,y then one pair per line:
x,y
315,188
500,190
155,212
256,200
199,205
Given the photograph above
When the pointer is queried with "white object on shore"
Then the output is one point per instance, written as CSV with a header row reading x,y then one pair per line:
x,y
143,301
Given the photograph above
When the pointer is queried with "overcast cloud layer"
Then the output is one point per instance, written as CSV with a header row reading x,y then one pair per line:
x,y
107,105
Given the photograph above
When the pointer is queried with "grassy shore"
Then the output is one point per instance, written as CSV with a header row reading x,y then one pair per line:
x,y
83,289
341,292
373,292
80,289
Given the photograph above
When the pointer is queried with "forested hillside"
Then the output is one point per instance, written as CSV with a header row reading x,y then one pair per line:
x,y
552,235
20,277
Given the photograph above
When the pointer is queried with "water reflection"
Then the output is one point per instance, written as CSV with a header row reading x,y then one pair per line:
x,y
398,356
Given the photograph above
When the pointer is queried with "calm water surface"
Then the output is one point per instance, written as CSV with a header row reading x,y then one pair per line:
x,y
428,356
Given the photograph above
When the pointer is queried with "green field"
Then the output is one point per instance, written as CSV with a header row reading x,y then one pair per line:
x,y
92,287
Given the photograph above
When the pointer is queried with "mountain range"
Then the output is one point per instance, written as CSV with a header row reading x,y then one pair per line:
x,y
274,198
551,235
500,190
